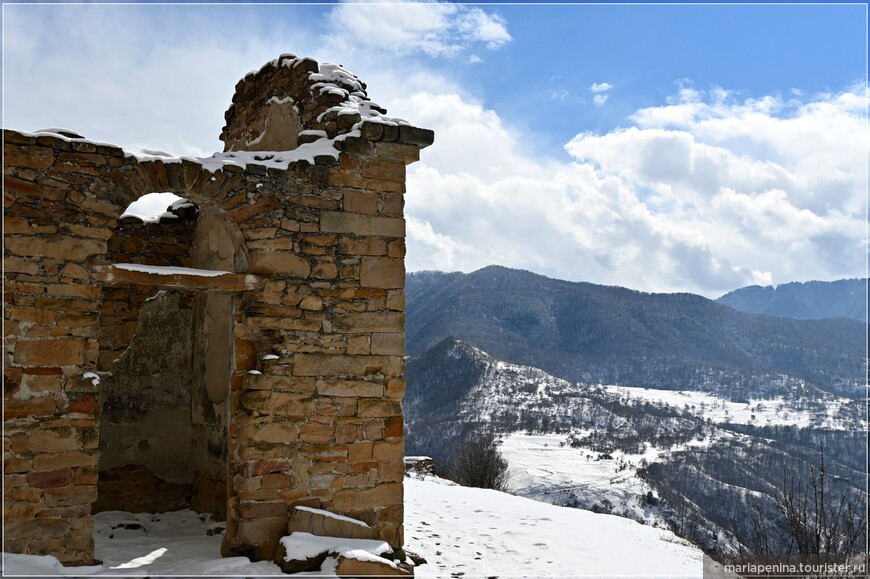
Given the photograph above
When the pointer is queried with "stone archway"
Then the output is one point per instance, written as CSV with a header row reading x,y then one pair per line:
x,y
166,362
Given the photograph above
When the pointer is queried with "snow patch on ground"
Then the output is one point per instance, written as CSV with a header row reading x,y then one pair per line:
x,y
482,532
543,467
300,546
760,412
457,529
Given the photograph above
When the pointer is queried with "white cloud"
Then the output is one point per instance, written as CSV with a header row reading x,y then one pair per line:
x,y
599,89
443,250
428,27
480,26
702,195
559,94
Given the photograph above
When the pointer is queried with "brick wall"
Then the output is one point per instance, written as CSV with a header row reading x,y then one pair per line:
x,y
321,323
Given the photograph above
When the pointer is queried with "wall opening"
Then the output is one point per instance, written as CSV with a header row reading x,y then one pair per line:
x,y
166,363
145,430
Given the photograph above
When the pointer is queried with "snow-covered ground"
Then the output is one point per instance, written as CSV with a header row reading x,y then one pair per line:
x,y
458,530
480,532
544,468
141,544
776,411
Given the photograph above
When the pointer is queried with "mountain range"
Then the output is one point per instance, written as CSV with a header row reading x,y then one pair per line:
x,y
812,300
601,334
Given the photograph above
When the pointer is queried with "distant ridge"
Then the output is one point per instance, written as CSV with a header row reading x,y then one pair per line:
x,y
812,300
592,333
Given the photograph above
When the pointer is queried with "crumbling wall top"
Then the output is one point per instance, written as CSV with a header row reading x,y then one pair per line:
x,y
292,101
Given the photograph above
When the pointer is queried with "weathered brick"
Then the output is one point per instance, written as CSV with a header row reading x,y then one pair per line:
x,y
393,426
261,510
60,352
357,201
279,383
279,432
350,388
50,479
386,494
278,403
13,409
379,408
14,264
391,471
362,225
84,404
70,495
17,465
61,460
388,450
66,248
393,322
311,303
35,157
388,344
335,365
316,433
360,452
27,494
262,467
382,272
277,481
362,246
54,439
279,263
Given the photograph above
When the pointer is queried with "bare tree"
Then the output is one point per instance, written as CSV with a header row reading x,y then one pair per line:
x,y
819,523
477,462
815,521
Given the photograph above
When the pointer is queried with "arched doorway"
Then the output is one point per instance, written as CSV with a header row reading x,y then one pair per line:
x,y
166,360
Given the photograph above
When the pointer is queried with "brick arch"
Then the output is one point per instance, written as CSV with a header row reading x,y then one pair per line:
x,y
211,239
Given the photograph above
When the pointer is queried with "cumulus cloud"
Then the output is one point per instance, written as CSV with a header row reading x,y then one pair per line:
x,y
702,194
422,27
599,90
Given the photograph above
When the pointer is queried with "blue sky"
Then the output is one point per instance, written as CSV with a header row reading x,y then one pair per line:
x,y
660,147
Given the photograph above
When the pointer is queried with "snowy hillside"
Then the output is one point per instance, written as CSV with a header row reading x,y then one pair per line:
x,y
487,533
458,530
544,468
824,411
670,458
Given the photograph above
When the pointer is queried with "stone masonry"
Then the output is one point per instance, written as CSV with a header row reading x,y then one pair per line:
x,y
245,394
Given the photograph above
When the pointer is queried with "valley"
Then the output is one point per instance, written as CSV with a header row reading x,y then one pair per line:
x,y
696,455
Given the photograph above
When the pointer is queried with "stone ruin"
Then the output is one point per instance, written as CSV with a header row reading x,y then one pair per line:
x,y
243,355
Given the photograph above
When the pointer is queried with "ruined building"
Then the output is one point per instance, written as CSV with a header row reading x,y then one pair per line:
x,y
241,356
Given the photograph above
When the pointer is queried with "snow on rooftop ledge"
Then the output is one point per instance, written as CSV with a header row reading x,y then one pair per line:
x,y
322,147
66,133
